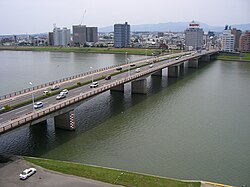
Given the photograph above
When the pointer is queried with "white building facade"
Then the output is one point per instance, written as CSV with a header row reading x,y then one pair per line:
x,y
227,42
61,36
194,37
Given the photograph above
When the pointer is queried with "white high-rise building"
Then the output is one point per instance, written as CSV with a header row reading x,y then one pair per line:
x,y
61,36
227,40
194,37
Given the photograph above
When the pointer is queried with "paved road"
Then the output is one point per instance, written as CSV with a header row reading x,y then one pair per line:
x,y
11,167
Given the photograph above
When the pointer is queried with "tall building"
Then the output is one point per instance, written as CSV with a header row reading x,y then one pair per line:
x,y
79,34
244,44
61,36
236,34
227,40
121,35
194,36
92,34
83,34
51,39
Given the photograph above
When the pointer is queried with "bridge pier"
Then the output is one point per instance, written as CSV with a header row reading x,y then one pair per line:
x,y
205,58
157,73
193,63
174,71
139,86
65,121
182,65
118,88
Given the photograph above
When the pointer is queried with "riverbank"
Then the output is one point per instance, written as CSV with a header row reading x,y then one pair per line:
x,y
130,51
244,58
108,175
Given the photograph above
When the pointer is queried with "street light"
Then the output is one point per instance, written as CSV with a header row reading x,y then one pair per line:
x,y
126,56
32,95
91,72
128,66
147,54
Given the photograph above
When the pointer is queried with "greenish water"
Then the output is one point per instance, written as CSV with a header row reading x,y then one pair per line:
x,y
193,127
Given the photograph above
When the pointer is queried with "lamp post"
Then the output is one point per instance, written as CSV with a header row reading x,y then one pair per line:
x,y
147,54
128,66
91,73
32,95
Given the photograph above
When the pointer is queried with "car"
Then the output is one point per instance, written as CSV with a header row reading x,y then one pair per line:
x,y
119,68
27,173
65,91
177,58
137,70
61,96
132,65
46,92
38,105
108,77
151,65
55,87
94,85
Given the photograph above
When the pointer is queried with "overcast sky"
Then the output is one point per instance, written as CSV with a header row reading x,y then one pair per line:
x,y
37,16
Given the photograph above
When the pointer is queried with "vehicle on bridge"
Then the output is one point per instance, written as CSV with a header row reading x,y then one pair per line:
x,y
46,92
38,105
65,91
94,84
119,68
132,65
27,173
108,77
151,65
61,96
137,70
55,87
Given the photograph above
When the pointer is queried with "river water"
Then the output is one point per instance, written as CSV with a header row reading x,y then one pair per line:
x,y
193,127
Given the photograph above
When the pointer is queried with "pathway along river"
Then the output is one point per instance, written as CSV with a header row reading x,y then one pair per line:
x,y
193,127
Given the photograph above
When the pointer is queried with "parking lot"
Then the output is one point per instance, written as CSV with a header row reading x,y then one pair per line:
x,y
12,166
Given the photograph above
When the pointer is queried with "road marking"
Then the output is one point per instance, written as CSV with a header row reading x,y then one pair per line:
x,y
21,111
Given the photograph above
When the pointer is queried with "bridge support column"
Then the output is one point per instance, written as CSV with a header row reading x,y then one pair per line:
x,y
118,88
174,71
139,86
194,63
182,65
158,73
205,58
65,121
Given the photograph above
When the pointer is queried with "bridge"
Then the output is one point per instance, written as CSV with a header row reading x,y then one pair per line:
x,y
79,89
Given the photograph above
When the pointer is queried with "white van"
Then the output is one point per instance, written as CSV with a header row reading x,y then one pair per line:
x,y
94,84
137,70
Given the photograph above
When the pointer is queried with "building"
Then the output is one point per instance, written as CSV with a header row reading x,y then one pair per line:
x,y
83,34
121,35
227,40
194,36
92,34
244,44
236,34
51,39
61,36
79,35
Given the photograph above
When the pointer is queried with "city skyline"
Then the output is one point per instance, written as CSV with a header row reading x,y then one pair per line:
x,y
39,16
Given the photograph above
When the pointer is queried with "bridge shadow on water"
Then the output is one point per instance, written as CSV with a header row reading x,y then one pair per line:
x,y
41,138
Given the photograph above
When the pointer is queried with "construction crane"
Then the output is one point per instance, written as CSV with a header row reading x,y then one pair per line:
x,y
83,17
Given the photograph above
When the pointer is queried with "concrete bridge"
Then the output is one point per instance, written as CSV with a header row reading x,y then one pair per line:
x,y
63,111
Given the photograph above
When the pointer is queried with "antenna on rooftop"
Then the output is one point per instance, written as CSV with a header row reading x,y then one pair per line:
x,y
83,17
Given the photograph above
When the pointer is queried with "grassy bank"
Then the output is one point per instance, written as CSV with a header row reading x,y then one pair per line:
x,y
246,56
135,51
107,175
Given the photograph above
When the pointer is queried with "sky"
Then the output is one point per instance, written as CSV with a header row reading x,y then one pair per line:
x,y
39,16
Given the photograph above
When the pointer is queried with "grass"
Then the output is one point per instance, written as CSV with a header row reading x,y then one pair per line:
x,y
246,56
136,51
112,176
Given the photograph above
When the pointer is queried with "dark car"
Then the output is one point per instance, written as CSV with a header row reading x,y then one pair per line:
x,y
132,65
119,68
108,77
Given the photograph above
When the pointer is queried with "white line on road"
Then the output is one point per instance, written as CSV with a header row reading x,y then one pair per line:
x,y
21,111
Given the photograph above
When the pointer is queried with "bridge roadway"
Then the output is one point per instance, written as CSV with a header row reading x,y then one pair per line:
x,y
25,114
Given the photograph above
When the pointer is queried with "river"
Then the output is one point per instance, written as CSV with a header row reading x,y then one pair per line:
x,y
193,127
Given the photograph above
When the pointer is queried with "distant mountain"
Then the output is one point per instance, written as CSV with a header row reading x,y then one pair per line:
x,y
175,27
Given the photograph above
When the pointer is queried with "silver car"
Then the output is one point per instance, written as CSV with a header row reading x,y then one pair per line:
x,y
27,173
